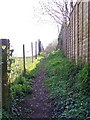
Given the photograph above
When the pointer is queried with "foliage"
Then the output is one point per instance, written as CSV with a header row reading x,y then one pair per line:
x,y
19,89
20,85
69,87
51,46
34,67
5,114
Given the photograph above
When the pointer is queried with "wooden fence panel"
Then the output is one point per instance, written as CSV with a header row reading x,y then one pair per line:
x,y
78,46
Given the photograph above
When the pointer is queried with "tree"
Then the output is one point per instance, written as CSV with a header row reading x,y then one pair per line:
x,y
51,46
57,10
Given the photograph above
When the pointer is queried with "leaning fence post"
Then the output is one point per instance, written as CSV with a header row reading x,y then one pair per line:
x,y
24,68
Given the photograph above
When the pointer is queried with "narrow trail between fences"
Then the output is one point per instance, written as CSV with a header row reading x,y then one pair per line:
x,y
38,101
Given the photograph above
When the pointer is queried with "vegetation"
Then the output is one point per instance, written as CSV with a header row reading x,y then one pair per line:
x,y
16,68
69,87
20,85
51,47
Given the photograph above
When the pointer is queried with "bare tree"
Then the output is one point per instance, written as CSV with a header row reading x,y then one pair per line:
x,y
51,46
57,10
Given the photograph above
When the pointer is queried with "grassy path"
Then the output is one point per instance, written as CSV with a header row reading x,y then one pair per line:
x,y
38,101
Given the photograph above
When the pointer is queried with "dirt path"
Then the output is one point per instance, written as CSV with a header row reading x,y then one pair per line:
x,y
38,101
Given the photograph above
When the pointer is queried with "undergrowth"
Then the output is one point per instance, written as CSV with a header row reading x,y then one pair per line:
x,y
19,88
69,87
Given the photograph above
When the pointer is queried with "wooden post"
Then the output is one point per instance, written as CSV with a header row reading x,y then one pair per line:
x,y
24,68
32,50
39,47
0,79
35,49
5,83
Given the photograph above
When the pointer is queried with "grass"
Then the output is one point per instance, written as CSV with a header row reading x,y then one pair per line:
x,y
17,67
20,85
69,87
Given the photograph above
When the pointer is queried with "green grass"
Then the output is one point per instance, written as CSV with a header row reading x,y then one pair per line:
x,y
17,67
69,87
20,85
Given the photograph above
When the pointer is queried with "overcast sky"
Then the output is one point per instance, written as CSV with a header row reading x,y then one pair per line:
x,y
18,23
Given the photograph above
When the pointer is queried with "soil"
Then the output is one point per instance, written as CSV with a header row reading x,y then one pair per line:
x,y
37,105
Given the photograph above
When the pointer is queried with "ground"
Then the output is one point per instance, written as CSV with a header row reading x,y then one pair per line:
x,y
37,105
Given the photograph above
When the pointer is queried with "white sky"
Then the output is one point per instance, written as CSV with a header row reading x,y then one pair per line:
x,y
17,23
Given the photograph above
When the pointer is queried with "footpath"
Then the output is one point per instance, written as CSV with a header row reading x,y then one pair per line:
x,y
37,105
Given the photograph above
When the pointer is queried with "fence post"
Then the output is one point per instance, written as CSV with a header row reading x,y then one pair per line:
x,y
5,83
32,50
0,79
24,68
35,49
39,47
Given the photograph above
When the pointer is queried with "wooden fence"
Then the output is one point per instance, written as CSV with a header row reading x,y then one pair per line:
x,y
38,49
74,38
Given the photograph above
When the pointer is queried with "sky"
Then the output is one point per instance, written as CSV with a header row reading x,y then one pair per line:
x,y
19,24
